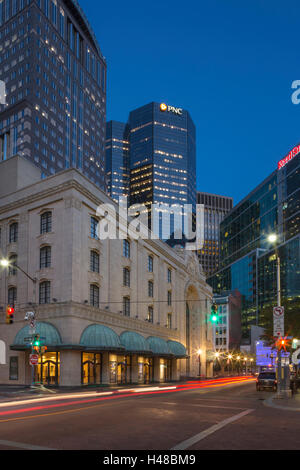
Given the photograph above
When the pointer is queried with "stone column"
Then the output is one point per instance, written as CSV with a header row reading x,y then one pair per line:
x,y
175,369
70,369
156,365
105,368
134,369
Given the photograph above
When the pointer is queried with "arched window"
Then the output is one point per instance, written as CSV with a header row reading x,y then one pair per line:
x,y
150,264
12,270
94,226
12,296
126,248
44,293
94,262
126,277
94,295
13,233
45,257
46,222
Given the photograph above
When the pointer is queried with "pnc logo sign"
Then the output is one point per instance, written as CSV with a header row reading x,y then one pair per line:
x,y
171,109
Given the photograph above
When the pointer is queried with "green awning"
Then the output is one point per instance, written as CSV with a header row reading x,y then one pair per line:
x,y
159,346
134,343
100,338
177,349
49,336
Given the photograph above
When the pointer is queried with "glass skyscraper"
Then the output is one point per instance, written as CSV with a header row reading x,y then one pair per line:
x,y
161,168
162,155
215,209
117,159
247,258
55,76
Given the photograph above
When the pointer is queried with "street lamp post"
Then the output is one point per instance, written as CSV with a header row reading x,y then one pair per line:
x,y
273,239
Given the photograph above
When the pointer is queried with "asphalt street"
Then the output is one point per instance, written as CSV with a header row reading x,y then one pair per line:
x,y
221,416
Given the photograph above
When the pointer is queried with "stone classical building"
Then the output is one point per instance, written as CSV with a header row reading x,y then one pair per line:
x,y
108,311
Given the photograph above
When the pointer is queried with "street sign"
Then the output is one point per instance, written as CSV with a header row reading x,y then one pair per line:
x,y
33,359
295,358
278,312
278,321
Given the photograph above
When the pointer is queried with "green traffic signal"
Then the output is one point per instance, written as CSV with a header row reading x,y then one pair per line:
x,y
214,314
36,341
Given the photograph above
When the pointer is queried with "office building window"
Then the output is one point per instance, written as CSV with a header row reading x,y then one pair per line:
x,y
169,321
169,276
150,264
169,298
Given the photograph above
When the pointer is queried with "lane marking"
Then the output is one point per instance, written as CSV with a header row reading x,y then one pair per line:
x,y
205,406
202,435
21,445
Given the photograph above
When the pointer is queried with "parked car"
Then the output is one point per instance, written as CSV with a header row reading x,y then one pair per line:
x,y
266,380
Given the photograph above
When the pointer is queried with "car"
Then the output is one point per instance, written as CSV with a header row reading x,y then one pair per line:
x,y
266,380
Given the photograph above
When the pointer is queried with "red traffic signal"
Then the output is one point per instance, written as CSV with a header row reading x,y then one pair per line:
x,y
10,314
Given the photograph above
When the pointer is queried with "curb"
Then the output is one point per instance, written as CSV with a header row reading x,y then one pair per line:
x,y
269,403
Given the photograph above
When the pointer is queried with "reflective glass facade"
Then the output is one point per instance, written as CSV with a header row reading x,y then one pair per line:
x,y
117,159
248,260
215,209
162,156
55,75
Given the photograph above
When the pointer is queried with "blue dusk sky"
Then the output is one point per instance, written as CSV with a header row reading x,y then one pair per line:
x,y
230,63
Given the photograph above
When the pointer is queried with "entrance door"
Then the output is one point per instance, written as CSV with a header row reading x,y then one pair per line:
x,y
48,369
121,373
91,369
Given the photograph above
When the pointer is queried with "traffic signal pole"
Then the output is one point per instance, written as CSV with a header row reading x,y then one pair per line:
x,y
283,390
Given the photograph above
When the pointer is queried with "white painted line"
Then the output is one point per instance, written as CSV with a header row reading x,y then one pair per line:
x,y
21,445
202,435
145,389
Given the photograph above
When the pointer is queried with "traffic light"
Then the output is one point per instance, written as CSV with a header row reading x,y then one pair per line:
x,y
36,343
214,314
282,343
10,310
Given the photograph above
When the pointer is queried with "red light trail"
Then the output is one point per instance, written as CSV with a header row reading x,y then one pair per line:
x,y
124,394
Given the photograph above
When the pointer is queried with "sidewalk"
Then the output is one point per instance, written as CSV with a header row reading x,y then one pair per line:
x,y
290,404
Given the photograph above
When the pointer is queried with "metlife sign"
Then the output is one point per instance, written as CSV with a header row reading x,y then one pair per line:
x,y
2,93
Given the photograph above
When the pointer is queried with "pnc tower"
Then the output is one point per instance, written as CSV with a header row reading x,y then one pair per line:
x,y
162,155
55,76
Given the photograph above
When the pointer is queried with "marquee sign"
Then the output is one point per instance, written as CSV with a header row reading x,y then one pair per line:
x,y
293,153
